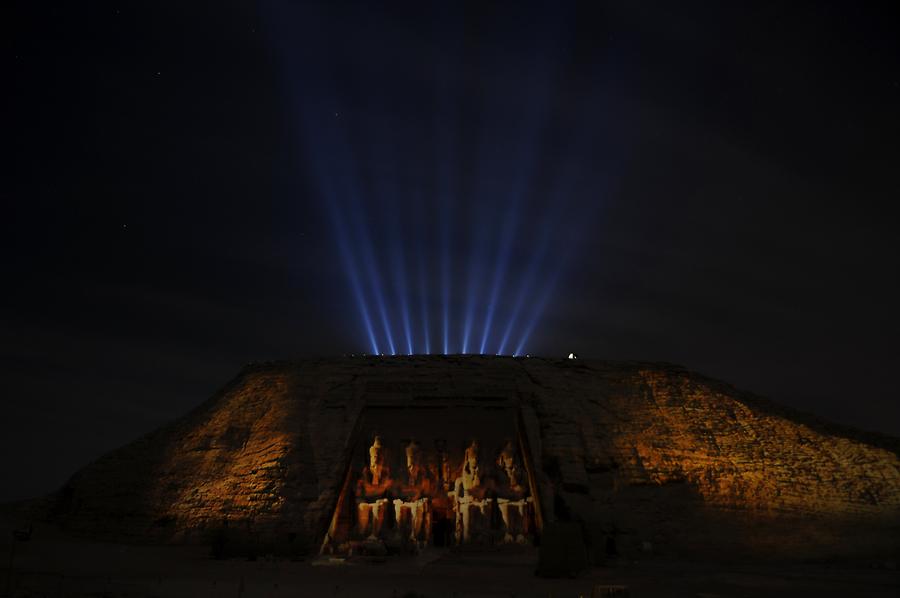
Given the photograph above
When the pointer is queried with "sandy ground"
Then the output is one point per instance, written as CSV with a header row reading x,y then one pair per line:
x,y
54,565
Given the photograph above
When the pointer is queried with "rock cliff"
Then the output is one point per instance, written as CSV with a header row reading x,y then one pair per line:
x,y
651,455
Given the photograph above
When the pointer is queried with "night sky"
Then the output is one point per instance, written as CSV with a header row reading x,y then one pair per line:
x,y
192,186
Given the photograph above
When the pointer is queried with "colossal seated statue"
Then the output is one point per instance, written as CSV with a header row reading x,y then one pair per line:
x,y
371,491
511,476
513,501
415,483
473,509
412,507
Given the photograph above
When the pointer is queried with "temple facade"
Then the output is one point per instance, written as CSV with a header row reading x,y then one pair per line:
x,y
436,476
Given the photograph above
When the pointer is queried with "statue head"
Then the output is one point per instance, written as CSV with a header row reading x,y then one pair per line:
x,y
413,453
471,458
507,455
376,453
506,460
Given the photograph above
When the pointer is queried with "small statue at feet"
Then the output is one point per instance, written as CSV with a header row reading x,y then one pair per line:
x,y
441,472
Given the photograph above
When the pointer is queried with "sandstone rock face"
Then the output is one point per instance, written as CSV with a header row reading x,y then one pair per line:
x,y
649,455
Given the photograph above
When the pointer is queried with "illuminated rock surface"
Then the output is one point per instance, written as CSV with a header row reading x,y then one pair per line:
x,y
648,457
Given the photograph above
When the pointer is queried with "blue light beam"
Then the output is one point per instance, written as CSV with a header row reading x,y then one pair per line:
x,y
548,288
539,252
399,271
352,271
421,240
323,181
575,229
371,267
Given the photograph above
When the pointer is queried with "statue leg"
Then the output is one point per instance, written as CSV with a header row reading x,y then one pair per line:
x,y
457,507
426,523
363,514
503,505
467,520
520,509
379,512
527,517
414,520
406,517
421,519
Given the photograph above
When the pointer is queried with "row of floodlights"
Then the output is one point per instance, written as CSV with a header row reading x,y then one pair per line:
x,y
569,356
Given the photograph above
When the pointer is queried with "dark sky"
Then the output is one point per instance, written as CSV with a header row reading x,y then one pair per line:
x,y
710,184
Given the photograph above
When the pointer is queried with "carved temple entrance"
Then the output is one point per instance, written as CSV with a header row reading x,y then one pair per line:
x,y
435,476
